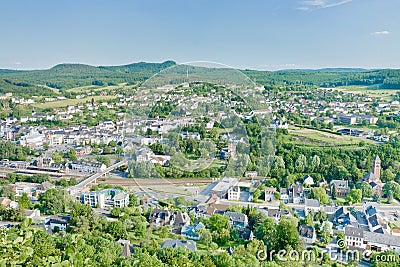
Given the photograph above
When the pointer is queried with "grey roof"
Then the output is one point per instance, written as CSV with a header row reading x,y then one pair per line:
x,y
384,239
236,216
185,244
225,184
314,203
59,219
277,213
353,231
245,234
181,218
340,183
373,220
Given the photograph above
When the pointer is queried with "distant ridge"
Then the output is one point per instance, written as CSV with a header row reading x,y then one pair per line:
x,y
72,75
73,67
327,70
140,67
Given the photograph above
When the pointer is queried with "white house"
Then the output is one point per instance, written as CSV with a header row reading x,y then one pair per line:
x,y
57,222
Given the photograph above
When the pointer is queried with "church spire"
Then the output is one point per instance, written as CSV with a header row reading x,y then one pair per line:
x,y
376,170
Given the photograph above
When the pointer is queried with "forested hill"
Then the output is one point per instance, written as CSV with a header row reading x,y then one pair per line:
x,y
65,76
378,79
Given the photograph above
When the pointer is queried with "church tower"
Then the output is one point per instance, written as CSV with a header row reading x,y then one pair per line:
x,y
376,170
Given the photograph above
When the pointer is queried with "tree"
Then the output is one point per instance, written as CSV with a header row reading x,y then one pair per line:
x,y
315,162
217,222
55,201
256,194
57,157
334,192
71,154
205,235
116,212
24,201
85,219
354,196
366,189
301,163
320,216
309,220
105,160
223,260
278,168
326,234
117,229
73,181
320,194
388,175
376,198
287,235
133,200
392,187
8,192
266,232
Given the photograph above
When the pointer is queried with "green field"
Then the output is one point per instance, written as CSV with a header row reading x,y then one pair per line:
x,y
386,94
314,138
95,88
71,102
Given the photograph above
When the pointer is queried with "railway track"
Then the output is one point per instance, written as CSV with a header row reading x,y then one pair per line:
x,y
154,181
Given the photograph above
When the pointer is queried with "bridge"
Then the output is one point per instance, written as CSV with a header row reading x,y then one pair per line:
x,y
80,186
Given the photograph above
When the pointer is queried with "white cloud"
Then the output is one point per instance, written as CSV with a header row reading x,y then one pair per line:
x,y
18,63
380,33
320,4
303,8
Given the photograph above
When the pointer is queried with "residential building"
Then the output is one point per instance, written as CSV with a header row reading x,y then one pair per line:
x,y
106,199
87,166
347,119
311,206
342,187
269,194
382,242
185,244
59,223
308,234
8,203
354,237
292,194
375,222
191,231
165,217
223,186
308,180
31,189
342,218
237,220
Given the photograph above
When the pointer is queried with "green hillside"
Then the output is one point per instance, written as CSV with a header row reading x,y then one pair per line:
x,y
66,76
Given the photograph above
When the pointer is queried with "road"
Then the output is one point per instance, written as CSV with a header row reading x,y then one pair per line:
x,y
95,176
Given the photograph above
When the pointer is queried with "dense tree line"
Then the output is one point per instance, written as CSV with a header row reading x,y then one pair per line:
x,y
12,152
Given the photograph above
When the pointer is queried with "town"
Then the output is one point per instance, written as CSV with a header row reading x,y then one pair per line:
x,y
183,166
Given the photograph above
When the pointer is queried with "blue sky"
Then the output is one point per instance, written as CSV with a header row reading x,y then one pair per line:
x,y
264,34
